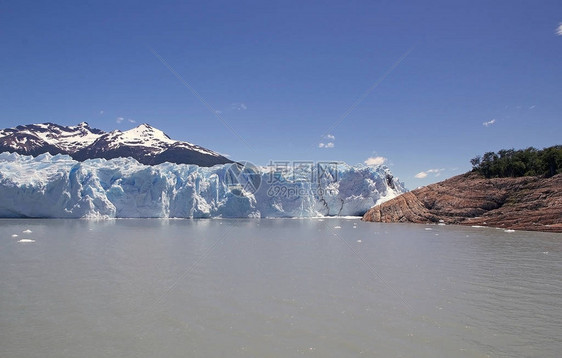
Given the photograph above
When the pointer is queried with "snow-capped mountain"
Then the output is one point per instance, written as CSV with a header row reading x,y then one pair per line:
x,y
144,143
35,139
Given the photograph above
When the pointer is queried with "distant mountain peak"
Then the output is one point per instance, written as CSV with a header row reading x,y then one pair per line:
x,y
147,129
144,143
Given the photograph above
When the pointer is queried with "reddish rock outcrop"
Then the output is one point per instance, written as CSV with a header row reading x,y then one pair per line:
x,y
525,203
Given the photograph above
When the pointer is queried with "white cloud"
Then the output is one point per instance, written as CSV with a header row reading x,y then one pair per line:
x,y
131,120
424,174
239,106
532,107
329,141
218,112
102,112
559,29
437,172
119,120
489,123
375,161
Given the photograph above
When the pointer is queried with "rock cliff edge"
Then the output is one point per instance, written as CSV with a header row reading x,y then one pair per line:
x,y
524,203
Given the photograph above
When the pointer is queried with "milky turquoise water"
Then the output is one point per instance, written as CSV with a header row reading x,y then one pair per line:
x,y
276,288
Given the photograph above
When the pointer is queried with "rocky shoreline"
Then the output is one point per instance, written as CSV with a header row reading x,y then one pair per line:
x,y
524,203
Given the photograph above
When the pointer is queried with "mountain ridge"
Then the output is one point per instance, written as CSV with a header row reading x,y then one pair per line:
x,y
145,143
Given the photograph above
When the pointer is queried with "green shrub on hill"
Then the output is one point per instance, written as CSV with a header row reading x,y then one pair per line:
x,y
517,163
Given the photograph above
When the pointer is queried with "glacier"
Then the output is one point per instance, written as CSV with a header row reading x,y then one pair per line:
x,y
57,186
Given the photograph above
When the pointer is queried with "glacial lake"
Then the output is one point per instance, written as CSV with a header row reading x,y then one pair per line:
x,y
276,288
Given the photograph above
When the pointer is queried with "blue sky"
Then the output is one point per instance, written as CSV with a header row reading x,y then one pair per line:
x,y
424,86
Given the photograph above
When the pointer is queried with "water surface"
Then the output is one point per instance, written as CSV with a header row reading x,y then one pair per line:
x,y
276,288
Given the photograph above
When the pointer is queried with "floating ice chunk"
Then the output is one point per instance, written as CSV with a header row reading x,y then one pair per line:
x,y
359,241
27,231
509,230
478,226
337,227
428,228
23,241
15,235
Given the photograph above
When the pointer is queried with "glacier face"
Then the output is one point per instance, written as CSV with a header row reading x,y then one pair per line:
x,y
60,187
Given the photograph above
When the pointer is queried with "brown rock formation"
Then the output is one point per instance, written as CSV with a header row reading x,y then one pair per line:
x,y
525,203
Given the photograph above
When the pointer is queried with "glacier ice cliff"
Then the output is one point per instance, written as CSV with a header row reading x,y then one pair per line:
x,y
60,187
